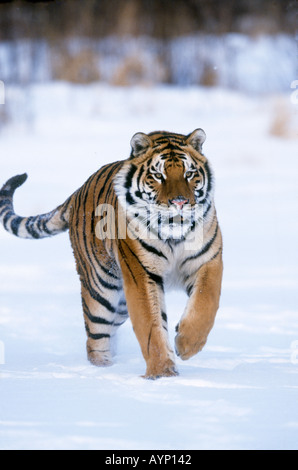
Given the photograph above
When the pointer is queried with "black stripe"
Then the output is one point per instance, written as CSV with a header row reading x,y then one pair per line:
x,y
141,171
15,224
149,340
107,178
168,138
95,335
199,194
42,220
209,177
165,320
129,199
90,272
7,217
203,251
93,318
81,266
174,146
129,176
189,290
154,277
127,183
44,227
216,254
207,210
93,243
99,176
159,223
96,296
106,284
107,271
151,249
125,261
2,211
138,193
30,227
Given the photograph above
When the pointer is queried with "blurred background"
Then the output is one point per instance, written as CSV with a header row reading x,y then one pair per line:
x,y
248,46
240,44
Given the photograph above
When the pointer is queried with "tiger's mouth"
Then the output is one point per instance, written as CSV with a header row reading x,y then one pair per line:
x,y
175,210
157,220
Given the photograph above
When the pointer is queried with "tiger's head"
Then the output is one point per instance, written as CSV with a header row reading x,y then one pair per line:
x,y
168,174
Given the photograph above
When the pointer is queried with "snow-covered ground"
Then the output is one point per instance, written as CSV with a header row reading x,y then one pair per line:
x,y
241,391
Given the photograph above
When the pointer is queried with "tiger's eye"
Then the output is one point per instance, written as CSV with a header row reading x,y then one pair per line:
x,y
188,174
158,176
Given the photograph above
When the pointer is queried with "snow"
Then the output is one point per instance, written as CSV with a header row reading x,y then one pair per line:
x,y
240,392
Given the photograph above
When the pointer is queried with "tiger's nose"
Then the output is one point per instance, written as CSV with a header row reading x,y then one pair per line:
x,y
179,201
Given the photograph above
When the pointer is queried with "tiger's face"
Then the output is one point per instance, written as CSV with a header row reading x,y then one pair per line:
x,y
168,176
174,181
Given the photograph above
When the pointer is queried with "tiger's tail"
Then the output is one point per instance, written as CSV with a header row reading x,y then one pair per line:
x,y
40,226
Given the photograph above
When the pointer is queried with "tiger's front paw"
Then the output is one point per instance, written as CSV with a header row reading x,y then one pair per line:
x,y
187,343
156,371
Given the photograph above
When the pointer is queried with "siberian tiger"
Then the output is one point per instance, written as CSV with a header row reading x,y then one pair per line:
x,y
136,226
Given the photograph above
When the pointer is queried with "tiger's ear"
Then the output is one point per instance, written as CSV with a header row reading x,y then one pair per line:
x,y
139,144
196,139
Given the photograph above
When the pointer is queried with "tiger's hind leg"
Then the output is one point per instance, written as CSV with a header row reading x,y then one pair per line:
x,y
100,314
121,315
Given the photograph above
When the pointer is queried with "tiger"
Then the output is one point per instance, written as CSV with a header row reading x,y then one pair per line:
x,y
138,227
